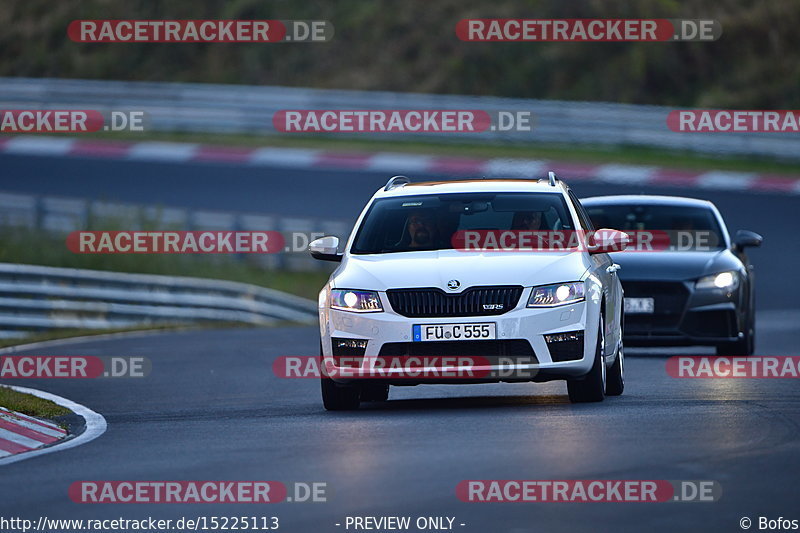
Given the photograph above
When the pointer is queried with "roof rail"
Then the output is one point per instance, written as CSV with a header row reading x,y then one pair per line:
x,y
552,176
396,181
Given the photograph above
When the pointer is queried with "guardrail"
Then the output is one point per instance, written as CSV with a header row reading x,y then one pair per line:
x,y
191,107
61,215
35,298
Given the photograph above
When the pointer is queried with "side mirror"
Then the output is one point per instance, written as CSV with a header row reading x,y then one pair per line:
x,y
745,239
325,249
606,240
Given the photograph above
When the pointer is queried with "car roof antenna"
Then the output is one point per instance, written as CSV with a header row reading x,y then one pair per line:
x,y
553,178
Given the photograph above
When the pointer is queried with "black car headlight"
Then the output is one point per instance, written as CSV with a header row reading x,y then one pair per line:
x,y
728,281
557,294
355,301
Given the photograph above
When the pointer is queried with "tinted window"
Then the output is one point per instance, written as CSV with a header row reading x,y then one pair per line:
x,y
684,224
428,222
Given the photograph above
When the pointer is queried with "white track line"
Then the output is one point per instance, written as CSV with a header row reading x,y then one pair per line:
x,y
515,167
95,426
32,145
397,163
726,180
625,174
162,151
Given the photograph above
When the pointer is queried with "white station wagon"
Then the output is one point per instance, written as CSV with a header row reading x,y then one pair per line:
x,y
406,289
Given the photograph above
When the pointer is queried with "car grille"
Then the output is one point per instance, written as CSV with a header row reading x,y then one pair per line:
x,y
670,299
711,323
651,325
518,349
434,302
456,348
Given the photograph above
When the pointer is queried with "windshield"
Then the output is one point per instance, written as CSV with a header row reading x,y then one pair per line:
x,y
429,222
689,228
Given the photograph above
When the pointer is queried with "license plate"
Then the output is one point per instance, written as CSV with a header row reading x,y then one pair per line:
x,y
639,305
455,332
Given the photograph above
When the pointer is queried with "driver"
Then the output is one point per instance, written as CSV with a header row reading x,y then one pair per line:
x,y
422,229
527,220
530,223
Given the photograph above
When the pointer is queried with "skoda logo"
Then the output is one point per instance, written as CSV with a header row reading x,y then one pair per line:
x,y
453,284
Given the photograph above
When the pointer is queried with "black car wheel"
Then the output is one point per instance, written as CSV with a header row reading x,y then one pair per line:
x,y
592,387
615,381
337,397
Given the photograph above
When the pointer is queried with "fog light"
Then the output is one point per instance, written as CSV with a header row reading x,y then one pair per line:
x,y
350,343
348,352
567,346
564,337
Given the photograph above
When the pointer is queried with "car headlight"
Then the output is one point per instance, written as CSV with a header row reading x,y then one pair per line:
x,y
355,301
728,280
557,294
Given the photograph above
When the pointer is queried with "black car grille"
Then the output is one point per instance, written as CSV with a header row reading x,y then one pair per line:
x,y
711,323
434,302
651,325
456,348
492,350
669,300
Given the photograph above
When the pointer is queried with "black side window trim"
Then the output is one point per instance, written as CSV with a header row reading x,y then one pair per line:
x,y
585,221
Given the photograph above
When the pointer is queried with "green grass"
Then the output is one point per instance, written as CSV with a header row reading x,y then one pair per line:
x,y
30,405
633,155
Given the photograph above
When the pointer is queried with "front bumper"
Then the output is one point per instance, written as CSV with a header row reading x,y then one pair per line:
x,y
683,315
519,352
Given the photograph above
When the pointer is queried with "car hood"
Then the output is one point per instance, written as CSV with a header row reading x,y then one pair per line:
x,y
673,265
436,268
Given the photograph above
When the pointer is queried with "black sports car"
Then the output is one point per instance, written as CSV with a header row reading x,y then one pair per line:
x,y
697,289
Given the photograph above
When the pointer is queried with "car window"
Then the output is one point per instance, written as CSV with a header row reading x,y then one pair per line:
x,y
688,227
428,222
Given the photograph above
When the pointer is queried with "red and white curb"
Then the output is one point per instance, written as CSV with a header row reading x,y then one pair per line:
x,y
398,163
20,433
23,437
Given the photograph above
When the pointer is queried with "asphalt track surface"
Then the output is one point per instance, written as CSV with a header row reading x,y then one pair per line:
x,y
212,410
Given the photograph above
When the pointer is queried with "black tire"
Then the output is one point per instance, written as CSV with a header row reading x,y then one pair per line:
x,y
591,387
374,392
615,379
338,397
